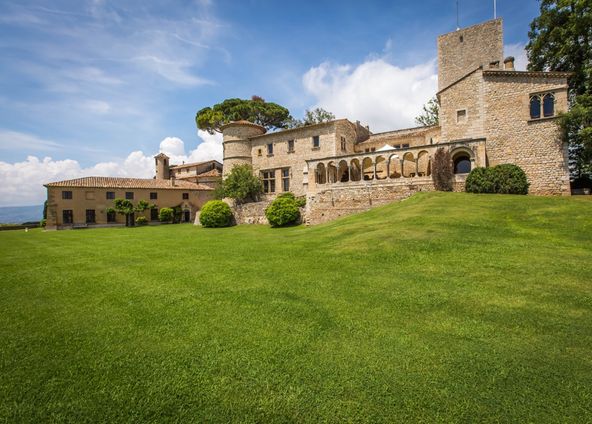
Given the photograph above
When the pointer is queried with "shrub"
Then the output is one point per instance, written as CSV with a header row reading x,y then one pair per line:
x,y
509,179
442,170
480,181
241,185
283,211
215,213
300,201
42,223
141,220
166,215
503,179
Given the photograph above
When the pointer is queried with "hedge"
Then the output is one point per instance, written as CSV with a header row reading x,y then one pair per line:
x,y
502,179
215,213
283,211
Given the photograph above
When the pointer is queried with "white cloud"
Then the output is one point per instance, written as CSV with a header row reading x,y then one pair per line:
x,y
21,183
11,140
517,50
375,92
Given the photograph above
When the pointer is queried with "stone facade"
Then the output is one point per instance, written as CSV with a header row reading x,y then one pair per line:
x,y
485,120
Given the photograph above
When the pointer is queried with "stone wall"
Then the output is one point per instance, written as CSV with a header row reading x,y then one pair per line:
x,y
250,213
462,51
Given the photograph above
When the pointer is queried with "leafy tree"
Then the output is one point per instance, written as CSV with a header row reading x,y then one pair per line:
x,y
256,110
241,185
577,128
166,214
126,207
442,170
311,117
430,115
561,40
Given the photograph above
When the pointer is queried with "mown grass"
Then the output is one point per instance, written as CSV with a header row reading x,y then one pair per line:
x,y
441,308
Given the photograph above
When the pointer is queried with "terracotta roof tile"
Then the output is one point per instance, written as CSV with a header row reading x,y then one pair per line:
x,y
115,182
211,173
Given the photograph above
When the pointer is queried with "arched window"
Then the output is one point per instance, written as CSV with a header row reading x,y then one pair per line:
x,y
535,107
548,105
462,163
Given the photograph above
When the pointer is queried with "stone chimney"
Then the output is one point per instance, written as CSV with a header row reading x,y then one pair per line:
x,y
173,181
509,63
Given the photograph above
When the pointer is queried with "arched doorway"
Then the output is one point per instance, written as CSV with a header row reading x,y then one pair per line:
x,y
461,163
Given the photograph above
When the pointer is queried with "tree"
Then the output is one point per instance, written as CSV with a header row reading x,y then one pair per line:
x,y
442,170
126,207
311,117
241,185
256,110
561,40
430,115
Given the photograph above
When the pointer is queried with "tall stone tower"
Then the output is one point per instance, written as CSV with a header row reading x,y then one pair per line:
x,y
162,167
464,50
237,144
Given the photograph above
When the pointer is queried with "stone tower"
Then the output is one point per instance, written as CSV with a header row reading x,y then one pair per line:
x,y
162,167
464,50
237,144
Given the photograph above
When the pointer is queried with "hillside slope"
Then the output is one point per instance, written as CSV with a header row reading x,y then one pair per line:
x,y
443,307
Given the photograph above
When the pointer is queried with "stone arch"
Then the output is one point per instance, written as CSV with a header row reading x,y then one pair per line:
x,y
381,168
409,168
368,169
331,173
321,174
462,160
394,166
343,172
355,170
423,164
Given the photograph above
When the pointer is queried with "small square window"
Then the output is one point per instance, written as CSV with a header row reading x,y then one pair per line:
x,y
110,195
259,152
67,195
461,115
129,195
185,196
270,149
153,196
290,146
316,142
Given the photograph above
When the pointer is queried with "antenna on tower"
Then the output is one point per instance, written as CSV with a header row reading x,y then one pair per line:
x,y
457,18
494,9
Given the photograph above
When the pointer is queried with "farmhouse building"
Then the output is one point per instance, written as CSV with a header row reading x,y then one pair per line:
x,y
490,114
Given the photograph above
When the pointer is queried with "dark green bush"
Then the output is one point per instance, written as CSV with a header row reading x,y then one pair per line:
x,y
166,215
502,179
141,220
42,223
283,211
215,213
300,201
480,180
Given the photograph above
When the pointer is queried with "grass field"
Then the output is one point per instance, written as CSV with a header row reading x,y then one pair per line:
x,y
441,308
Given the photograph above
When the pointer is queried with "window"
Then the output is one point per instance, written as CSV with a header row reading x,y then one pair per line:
x,y
110,195
462,164
89,195
259,153
366,150
548,105
153,214
153,196
129,195
316,142
66,195
286,179
268,181
535,107
68,216
90,216
461,116
111,217
185,196
343,144
373,149
405,146
290,146
270,149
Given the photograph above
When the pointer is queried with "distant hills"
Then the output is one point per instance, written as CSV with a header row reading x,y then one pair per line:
x,y
20,214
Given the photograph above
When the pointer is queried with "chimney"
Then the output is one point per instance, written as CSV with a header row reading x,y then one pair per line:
x,y
494,65
509,63
173,180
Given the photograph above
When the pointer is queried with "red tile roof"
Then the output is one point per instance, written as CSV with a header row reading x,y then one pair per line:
x,y
211,173
115,182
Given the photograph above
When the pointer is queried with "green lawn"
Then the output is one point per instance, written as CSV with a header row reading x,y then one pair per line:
x,y
441,308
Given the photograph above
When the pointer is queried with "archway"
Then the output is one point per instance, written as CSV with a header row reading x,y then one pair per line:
x,y
381,169
343,172
394,166
320,174
409,165
461,163
423,164
355,170
331,173
368,169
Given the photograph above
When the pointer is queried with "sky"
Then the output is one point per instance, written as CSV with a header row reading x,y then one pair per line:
x,y
98,87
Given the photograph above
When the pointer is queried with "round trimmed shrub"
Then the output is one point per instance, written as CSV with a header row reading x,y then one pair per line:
x,y
215,213
479,180
300,201
166,215
283,211
509,179
141,220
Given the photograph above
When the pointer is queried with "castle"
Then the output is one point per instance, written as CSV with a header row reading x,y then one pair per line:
x,y
489,114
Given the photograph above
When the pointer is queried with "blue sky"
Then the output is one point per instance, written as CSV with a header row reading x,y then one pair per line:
x,y
98,87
